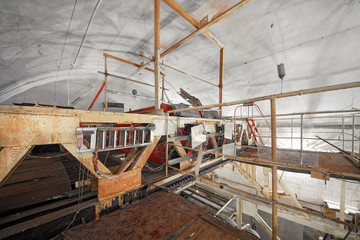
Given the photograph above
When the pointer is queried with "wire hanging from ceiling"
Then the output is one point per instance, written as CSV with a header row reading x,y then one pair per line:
x,y
63,49
283,45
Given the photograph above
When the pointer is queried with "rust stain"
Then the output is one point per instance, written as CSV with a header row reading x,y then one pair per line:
x,y
117,185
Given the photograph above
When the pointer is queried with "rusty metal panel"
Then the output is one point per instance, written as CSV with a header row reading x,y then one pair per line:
x,y
25,130
117,185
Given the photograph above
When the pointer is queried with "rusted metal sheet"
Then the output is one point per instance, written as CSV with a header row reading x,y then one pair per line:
x,y
117,185
150,218
208,227
155,217
26,130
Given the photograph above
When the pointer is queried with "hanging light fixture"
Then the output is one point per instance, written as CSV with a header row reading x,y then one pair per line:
x,y
281,70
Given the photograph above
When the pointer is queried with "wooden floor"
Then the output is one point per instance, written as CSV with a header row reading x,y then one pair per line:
x,y
161,215
331,161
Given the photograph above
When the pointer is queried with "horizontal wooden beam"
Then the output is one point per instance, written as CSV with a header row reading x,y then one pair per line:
x,y
281,95
190,19
269,164
128,79
220,17
128,62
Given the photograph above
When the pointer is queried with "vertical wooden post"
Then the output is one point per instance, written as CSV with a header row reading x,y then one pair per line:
x,y
157,52
353,137
291,133
301,137
238,213
342,202
343,132
106,79
163,89
167,145
221,76
274,169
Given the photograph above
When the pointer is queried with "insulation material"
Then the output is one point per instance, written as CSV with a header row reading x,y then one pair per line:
x,y
229,130
198,135
229,149
56,56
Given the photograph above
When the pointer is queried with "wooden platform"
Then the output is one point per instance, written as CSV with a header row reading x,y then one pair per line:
x,y
331,161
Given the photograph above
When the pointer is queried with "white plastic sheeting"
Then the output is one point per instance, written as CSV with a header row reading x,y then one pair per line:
x,y
318,41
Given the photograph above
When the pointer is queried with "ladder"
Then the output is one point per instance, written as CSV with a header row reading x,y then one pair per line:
x,y
111,138
254,132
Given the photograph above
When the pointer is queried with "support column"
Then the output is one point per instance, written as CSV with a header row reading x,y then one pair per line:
x,y
301,137
163,89
274,169
342,202
221,76
167,145
343,133
106,80
353,136
157,52
238,213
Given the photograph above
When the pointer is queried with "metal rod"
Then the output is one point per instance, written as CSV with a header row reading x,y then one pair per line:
x,y
106,80
97,95
162,62
128,79
311,113
157,52
281,95
274,168
226,204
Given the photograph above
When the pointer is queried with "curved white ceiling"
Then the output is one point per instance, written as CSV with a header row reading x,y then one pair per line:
x,y
318,41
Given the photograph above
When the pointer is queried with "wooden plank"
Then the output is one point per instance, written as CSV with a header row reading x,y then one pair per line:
x,y
320,176
86,159
106,85
190,19
180,150
128,62
119,184
145,154
23,226
213,142
44,208
224,15
128,161
198,161
221,78
342,202
157,52
238,213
